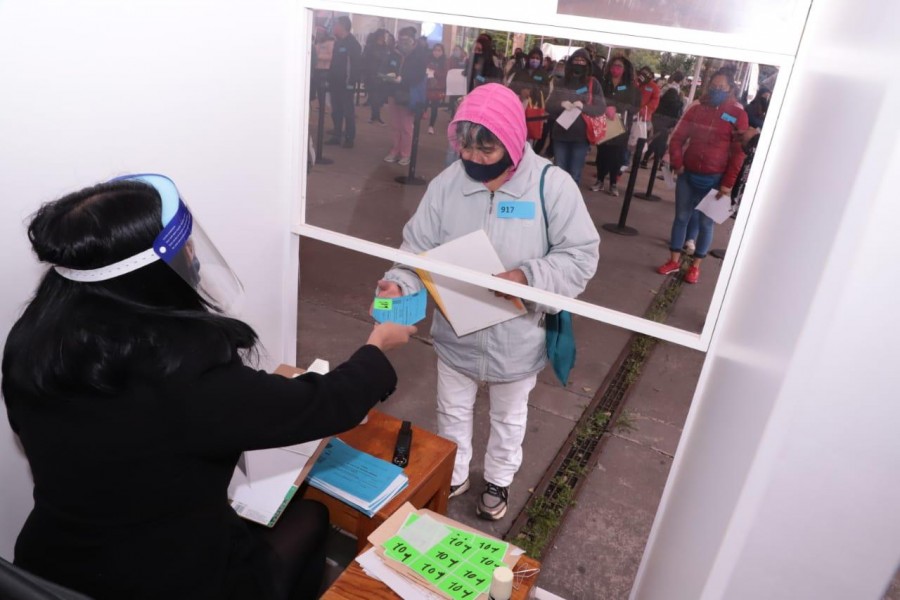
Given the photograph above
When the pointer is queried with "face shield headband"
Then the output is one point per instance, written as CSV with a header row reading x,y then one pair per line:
x,y
182,245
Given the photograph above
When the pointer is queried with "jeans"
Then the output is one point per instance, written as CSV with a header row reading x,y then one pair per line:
x,y
509,415
433,105
570,157
687,196
342,112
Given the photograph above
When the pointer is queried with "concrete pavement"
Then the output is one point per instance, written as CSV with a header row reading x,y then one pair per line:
x,y
602,539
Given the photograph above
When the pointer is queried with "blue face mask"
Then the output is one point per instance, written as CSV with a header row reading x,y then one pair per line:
x,y
717,97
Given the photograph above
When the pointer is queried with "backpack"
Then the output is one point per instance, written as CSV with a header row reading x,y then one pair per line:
x,y
670,104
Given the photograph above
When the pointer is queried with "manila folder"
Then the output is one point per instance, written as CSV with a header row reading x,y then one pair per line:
x,y
469,307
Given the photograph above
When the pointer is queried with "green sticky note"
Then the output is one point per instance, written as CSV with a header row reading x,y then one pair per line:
x,y
398,549
442,555
458,542
485,562
429,569
473,578
457,589
384,304
489,547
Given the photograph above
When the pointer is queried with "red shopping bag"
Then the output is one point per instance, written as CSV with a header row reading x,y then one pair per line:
x,y
535,117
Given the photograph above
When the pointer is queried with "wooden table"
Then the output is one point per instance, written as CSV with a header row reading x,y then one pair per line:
x,y
354,584
429,470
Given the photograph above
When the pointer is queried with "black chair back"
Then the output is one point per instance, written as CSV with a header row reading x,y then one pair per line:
x,y
19,584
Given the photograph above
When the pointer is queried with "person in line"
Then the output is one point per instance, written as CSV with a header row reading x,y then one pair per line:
x,y
706,154
405,105
758,107
458,60
343,75
436,85
134,427
496,167
650,95
375,56
482,67
620,93
322,52
577,90
671,105
532,83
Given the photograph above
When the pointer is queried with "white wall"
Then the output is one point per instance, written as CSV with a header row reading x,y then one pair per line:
x,y
202,91
785,484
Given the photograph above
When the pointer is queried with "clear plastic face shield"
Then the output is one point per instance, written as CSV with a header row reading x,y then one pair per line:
x,y
184,246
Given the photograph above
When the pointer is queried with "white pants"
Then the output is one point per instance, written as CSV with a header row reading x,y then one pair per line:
x,y
509,413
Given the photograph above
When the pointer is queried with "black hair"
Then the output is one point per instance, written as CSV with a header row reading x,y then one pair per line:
x,y
728,74
409,31
102,337
344,21
627,74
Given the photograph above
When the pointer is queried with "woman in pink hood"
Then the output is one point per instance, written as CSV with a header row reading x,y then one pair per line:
x,y
498,185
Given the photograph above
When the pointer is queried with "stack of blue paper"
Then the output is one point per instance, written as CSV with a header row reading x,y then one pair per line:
x,y
356,478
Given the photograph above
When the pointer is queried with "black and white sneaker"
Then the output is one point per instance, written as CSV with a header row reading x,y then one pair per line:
x,y
459,490
493,502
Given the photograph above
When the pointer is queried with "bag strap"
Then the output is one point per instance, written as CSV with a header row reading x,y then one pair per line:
x,y
544,208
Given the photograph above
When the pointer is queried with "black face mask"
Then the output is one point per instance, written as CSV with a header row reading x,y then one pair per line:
x,y
579,70
485,173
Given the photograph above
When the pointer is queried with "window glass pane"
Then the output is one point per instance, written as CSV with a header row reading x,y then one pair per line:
x,y
375,156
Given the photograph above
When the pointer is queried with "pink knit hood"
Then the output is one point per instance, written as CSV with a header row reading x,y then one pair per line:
x,y
499,109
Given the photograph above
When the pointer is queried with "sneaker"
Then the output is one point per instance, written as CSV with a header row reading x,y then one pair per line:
x,y
689,247
347,144
379,121
333,141
673,266
598,185
431,131
493,502
403,161
692,275
613,190
459,490
390,158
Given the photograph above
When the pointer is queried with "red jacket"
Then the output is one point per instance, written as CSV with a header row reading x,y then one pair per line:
x,y
649,98
708,131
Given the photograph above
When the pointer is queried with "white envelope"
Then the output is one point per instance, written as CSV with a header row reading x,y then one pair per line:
x,y
717,210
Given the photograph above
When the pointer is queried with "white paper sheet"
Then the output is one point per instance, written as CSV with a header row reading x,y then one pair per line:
x,y
424,533
468,307
717,210
456,82
668,177
407,589
568,116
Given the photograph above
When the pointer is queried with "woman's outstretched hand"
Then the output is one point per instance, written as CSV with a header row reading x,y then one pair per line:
x,y
387,336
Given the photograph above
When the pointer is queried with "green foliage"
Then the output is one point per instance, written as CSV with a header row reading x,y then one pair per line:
x,y
669,62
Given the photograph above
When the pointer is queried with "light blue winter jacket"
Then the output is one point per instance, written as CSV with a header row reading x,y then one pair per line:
x,y
455,205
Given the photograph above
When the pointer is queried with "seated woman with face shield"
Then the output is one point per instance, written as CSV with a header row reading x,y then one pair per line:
x,y
497,169
128,387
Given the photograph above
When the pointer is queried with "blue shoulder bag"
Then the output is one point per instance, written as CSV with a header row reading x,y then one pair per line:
x,y
560,335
